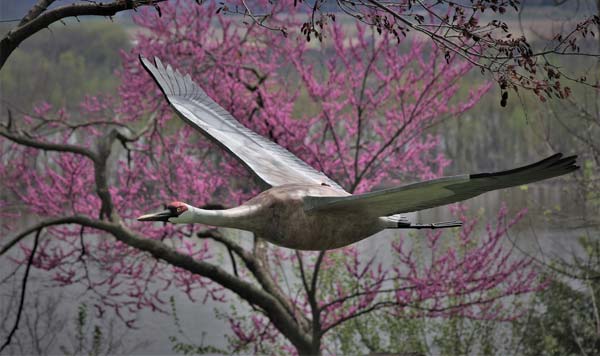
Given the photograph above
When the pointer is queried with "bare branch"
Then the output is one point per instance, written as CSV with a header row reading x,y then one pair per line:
x,y
39,18
259,271
23,290
48,146
37,227
314,304
35,11
316,269
278,314
271,300
302,274
260,19
346,298
376,306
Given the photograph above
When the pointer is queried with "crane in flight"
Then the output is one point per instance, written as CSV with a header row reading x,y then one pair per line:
x,y
304,209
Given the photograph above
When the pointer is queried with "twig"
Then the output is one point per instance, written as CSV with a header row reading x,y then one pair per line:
x,y
23,290
39,226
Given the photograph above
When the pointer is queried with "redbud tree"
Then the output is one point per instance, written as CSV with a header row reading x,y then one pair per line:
x,y
357,106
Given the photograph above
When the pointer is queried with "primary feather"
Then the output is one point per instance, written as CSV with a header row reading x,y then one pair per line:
x,y
271,163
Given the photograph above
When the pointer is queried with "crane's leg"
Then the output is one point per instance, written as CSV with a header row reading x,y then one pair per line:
x,y
437,225
401,222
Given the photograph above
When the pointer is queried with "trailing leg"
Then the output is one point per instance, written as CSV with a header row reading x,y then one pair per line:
x,y
402,222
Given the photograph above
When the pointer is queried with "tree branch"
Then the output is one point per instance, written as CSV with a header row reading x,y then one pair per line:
x,y
48,146
23,290
35,11
315,276
271,300
346,298
314,304
278,314
37,227
259,271
39,18
99,158
376,306
302,274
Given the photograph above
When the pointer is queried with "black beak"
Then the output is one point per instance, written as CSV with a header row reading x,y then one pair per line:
x,y
160,216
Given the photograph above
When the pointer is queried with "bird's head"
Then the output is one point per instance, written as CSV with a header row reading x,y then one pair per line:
x,y
174,212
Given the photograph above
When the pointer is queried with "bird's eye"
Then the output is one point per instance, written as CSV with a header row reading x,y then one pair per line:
x,y
179,209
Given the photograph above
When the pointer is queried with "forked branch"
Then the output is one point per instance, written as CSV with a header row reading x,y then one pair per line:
x,y
39,17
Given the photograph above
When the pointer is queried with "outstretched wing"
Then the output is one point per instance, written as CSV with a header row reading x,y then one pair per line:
x,y
437,192
271,163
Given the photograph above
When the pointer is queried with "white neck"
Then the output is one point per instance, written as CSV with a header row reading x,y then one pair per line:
x,y
238,217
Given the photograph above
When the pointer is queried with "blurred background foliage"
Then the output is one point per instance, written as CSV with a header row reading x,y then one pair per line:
x,y
63,64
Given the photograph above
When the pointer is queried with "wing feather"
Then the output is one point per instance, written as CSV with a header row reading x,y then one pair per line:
x,y
442,191
271,163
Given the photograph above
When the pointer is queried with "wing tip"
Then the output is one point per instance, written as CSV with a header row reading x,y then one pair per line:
x,y
148,65
550,167
159,74
171,81
553,162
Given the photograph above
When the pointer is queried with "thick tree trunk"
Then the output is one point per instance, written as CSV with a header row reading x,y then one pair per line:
x,y
312,350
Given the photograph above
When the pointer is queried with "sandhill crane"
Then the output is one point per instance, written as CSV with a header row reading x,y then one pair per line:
x,y
304,209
